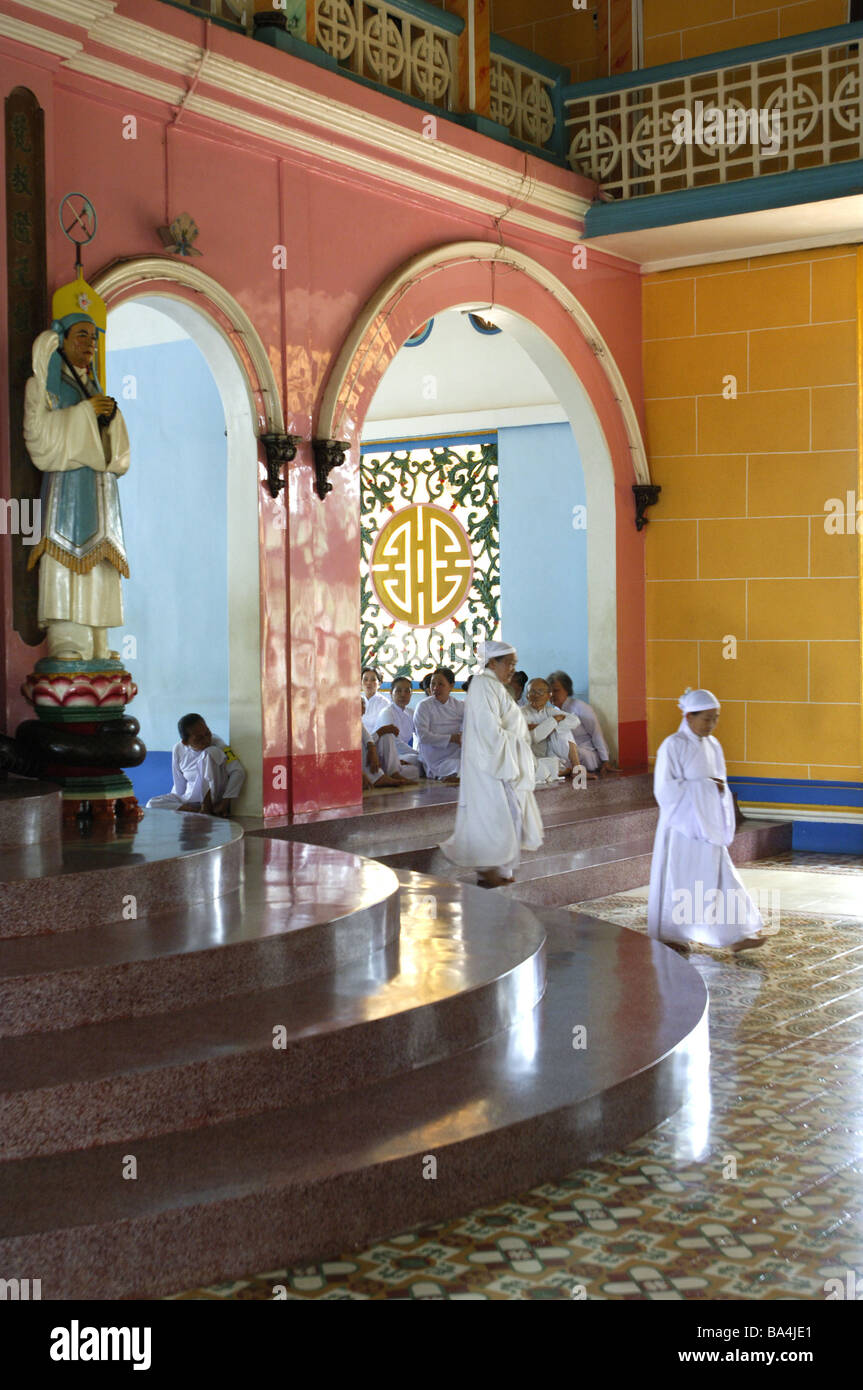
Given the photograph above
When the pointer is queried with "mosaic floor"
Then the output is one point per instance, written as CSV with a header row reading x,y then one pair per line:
x,y
754,1191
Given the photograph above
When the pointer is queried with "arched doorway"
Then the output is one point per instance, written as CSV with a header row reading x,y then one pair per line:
x,y
250,401
552,325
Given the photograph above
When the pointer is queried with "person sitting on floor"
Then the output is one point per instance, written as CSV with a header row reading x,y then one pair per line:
x,y
374,774
553,732
592,747
438,722
516,687
207,773
375,703
395,732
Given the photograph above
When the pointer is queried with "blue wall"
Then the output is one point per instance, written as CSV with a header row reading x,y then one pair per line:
x,y
543,560
174,502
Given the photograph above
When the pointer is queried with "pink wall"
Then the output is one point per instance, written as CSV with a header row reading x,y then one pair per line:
x,y
346,232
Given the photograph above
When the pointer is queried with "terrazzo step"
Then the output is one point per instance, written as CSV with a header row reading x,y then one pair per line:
x,y
429,812
293,1185
302,911
578,825
449,983
30,812
62,885
553,880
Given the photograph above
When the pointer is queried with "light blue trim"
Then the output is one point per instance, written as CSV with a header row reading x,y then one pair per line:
x,y
514,53
726,199
713,62
423,337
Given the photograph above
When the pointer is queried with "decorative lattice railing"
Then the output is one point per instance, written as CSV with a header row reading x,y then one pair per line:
x,y
522,98
779,106
391,45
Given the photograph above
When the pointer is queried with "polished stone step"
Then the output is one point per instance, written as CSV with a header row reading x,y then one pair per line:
x,y
292,1186
301,911
465,967
30,811
80,880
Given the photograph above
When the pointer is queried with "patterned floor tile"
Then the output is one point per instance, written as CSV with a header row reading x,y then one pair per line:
x,y
765,1203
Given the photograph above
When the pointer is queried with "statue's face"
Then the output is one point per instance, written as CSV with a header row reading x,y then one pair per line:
x,y
79,344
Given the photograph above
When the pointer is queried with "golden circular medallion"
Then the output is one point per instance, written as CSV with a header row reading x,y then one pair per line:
x,y
421,565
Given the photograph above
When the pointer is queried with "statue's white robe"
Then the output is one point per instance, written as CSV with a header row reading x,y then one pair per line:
x,y
696,893
58,441
497,813
435,723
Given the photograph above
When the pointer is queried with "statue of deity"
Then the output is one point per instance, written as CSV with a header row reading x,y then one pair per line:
x,y
77,437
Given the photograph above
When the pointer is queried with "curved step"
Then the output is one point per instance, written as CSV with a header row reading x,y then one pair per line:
x,y
30,811
81,880
304,910
293,1185
452,981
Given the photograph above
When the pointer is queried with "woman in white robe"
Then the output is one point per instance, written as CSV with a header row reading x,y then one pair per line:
x,y
592,747
376,702
497,813
696,894
395,732
438,722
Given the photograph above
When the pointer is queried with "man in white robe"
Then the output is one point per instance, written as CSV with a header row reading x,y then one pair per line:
x,y
696,893
394,728
592,747
207,774
553,733
438,722
497,813
77,437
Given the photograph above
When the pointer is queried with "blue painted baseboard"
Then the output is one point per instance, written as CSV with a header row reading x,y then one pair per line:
x,y
828,837
152,778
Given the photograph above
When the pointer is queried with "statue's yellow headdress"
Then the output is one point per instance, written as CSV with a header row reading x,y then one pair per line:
x,y
77,301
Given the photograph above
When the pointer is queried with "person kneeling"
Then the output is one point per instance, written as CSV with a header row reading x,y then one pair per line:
x,y
207,772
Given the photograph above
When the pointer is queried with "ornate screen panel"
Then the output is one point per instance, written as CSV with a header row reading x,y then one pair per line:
x,y
430,553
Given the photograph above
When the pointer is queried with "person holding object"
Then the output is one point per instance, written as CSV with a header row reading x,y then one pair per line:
x,y
497,813
76,435
696,893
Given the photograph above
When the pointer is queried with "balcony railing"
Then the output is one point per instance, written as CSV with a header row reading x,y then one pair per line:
x,y
414,50
394,46
788,104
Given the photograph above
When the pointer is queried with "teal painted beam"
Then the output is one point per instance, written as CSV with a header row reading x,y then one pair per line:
x,y
790,189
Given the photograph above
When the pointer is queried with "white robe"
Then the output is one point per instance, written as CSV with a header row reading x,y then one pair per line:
x,y
369,736
696,893
375,706
435,723
57,441
549,737
592,747
396,751
497,813
216,770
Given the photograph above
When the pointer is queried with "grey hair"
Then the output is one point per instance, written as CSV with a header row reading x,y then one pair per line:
x,y
565,680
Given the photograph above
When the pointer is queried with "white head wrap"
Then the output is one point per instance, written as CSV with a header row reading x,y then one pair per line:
x,y
692,701
490,651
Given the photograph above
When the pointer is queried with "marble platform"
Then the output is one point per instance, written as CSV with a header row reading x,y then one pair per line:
x,y
415,1020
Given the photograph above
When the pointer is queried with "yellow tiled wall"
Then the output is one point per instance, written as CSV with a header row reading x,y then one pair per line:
x,y
675,29
737,546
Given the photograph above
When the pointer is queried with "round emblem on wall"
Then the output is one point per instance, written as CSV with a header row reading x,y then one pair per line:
x,y
421,565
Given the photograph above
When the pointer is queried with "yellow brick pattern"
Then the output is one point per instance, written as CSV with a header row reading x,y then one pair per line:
x,y
751,391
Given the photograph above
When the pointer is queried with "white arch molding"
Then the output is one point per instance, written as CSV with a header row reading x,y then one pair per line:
x,y
363,342
230,374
